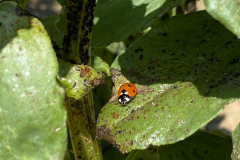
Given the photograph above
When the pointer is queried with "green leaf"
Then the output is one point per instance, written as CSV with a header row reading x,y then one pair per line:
x,y
118,19
227,12
62,2
236,143
61,22
201,145
32,117
54,33
99,65
102,94
113,154
186,69
78,80
21,3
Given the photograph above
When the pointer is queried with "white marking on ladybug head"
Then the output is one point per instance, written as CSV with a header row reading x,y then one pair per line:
x,y
126,99
124,92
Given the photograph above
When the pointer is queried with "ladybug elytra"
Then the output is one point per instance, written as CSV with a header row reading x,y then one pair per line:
x,y
126,92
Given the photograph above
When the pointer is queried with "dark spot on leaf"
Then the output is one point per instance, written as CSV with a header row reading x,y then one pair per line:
x,y
132,111
77,132
141,57
79,157
165,34
174,87
233,61
229,42
77,68
74,84
118,132
203,40
131,143
115,115
139,49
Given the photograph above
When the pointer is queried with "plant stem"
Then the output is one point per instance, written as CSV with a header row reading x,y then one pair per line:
x,y
77,50
84,143
76,42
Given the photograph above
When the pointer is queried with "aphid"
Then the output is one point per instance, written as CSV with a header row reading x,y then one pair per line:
x,y
126,92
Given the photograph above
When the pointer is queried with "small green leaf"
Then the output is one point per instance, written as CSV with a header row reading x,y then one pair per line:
x,y
32,116
118,19
78,80
186,69
61,22
201,145
236,143
227,12
54,33
100,65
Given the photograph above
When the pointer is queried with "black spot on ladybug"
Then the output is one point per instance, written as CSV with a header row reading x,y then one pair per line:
x,y
123,91
129,85
134,91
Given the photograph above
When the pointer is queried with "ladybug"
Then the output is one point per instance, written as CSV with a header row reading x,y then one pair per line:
x,y
126,92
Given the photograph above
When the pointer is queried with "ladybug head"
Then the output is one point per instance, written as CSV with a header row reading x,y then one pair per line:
x,y
124,99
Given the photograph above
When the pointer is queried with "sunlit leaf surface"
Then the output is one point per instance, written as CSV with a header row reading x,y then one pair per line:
x,y
186,69
32,116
